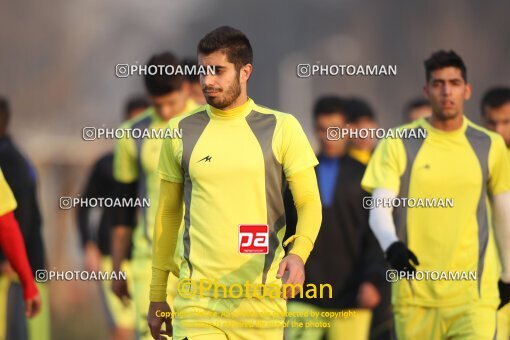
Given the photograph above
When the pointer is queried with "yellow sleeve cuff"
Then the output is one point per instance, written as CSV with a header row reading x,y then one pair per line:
x,y
158,285
302,246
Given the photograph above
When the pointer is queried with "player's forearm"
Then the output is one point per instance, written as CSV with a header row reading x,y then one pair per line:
x,y
381,220
305,191
121,242
166,232
13,246
502,231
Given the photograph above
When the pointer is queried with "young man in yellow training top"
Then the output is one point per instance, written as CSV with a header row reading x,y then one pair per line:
x,y
230,168
446,253
135,170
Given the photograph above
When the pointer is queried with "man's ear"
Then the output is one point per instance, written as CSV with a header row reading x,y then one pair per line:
x,y
469,91
245,72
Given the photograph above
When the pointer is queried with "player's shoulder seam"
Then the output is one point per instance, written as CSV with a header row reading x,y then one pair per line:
x,y
482,131
283,120
416,125
265,110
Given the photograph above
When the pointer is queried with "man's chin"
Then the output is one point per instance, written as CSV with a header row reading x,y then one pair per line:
x,y
448,115
216,102
213,101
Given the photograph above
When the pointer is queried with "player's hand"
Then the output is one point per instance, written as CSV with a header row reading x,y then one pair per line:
x,y
120,288
92,257
32,306
401,258
154,321
291,271
368,296
504,293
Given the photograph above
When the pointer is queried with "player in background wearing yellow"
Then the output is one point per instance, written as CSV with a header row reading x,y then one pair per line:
x,y
135,172
230,169
96,239
361,116
457,160
416,109
12,245
495,109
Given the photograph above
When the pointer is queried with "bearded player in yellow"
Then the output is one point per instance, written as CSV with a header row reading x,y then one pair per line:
x,y
456,160
495,108
135,173
230,169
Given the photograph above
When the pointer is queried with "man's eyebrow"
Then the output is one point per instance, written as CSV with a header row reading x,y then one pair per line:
x,y
446,79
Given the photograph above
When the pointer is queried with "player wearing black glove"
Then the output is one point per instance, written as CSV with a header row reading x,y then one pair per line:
x,y
504,293
401,258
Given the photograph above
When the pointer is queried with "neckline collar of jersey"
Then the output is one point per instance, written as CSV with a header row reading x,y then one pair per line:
x,y
236,112
458,131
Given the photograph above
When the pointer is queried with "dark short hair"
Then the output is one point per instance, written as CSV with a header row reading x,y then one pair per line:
x,y
135,103
495,98
442,59
190,76
231,41
160,83
327,105
358,108
5,114
415,104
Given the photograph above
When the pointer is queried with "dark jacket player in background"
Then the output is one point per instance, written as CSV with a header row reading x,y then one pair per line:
x,y
346,254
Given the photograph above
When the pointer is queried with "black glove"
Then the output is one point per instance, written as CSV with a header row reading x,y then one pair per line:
x,y
400,257
504,293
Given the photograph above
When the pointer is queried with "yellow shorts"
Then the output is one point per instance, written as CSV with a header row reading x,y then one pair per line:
x,y
353,324
210,318
504,323
477,322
